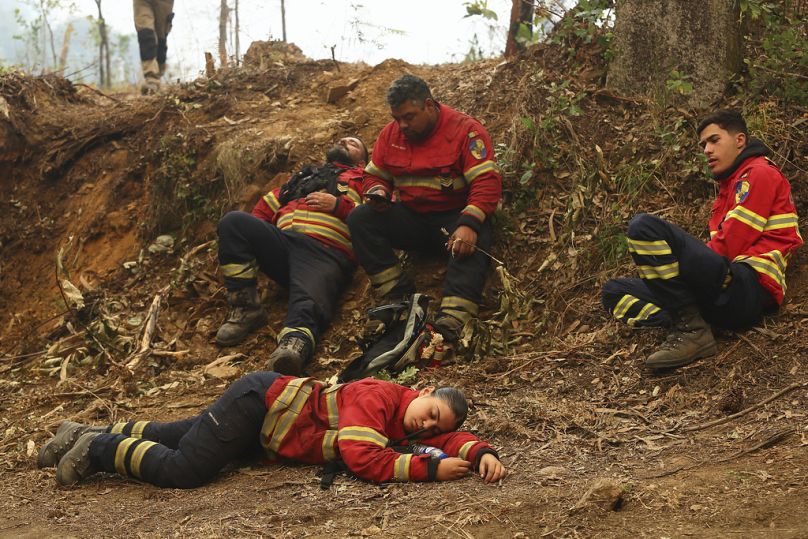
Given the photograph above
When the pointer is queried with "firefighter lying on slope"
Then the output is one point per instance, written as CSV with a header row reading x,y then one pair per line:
x,y
733,279
297,236
286,419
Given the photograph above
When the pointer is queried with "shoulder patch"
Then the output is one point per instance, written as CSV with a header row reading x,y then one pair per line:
x,y
478,149
741,190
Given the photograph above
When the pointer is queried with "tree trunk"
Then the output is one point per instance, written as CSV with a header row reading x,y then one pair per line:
x,y
283,19
104,64
224,15
521,17
65,49
238,46
662,48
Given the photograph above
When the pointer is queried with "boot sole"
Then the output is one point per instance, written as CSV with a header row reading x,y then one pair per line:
x,y
706,351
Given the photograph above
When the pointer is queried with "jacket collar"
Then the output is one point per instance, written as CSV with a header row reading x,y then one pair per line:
x,y
754,148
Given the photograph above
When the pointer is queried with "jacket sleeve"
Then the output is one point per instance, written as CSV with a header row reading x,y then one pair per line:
x,y
375,172
267,206
755,194
363,443
482,174
461,444
351,188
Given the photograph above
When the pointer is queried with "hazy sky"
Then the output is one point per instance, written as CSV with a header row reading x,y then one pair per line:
x,y
433,31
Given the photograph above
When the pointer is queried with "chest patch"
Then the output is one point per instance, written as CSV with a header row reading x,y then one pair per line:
x,y
477,149
741,191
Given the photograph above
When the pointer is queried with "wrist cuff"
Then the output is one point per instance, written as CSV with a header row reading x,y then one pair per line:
x,y
469,221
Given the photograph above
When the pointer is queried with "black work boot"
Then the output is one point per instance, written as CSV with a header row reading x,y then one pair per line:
x,y
291,355
691,339
76,464
66,435
448,326
245,316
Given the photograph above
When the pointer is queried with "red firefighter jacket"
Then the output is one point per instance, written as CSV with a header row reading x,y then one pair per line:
x,y
310,423
754,221
325,227
453,169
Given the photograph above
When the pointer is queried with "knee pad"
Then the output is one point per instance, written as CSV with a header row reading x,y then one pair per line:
x,y
147,40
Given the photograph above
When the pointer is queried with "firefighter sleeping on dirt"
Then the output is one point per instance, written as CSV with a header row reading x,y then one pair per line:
x,y
297,236
379,430
732,280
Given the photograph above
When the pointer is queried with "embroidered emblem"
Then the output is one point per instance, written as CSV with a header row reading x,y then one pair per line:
x,y
342,188
446,183
741,191
477,149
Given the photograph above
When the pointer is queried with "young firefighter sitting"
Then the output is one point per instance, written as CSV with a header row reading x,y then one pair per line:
x,y
288,419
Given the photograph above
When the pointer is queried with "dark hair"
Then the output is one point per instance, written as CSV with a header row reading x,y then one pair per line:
x,y
456,400
408,87
364,147
728,119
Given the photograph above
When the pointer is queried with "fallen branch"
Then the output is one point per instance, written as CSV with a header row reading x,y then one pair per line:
x,y
149,327
762,403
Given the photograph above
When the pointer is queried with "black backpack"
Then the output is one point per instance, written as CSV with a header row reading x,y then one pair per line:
x,y
310,179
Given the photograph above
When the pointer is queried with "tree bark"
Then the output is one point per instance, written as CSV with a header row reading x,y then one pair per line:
x,y
698,39
224,15
521,15
65,49
105,78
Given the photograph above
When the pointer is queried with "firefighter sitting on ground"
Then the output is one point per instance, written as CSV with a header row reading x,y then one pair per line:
x,y
290,420
153,23
297,236
442,164
733,279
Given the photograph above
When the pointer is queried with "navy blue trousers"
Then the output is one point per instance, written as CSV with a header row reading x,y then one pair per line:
x,y
314,274
376,234
190,452
676,270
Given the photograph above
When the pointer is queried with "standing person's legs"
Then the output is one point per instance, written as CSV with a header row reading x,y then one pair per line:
x,y
227,430
163,17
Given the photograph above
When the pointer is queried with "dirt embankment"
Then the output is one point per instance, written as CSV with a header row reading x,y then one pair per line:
x,y
89,181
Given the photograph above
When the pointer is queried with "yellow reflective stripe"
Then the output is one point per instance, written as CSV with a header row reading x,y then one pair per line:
x,y
307,331
474,211
624,305
477,170
385,276
782,220
331,406
747,217
240,271
656,248
465,448
289,416
318,230
117,428
362,434
282,403
138,428
713,233
272,201
371,168
766,267
120,454
644,313
459,303
137,457
353,195
401,468
330,445
431,182
668,271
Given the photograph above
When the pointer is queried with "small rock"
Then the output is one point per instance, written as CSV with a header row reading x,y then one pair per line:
x,y
604,493
162,244
552,472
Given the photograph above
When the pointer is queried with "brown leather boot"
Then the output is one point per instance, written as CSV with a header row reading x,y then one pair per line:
x,y
691,339
76,464
66,435
245,316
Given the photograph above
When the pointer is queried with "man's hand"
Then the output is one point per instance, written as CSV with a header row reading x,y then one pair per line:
x,y
491,469
452,468
321,201
379,198
463,242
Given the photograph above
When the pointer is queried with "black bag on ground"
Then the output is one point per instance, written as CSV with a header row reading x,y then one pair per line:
x,y
405,334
